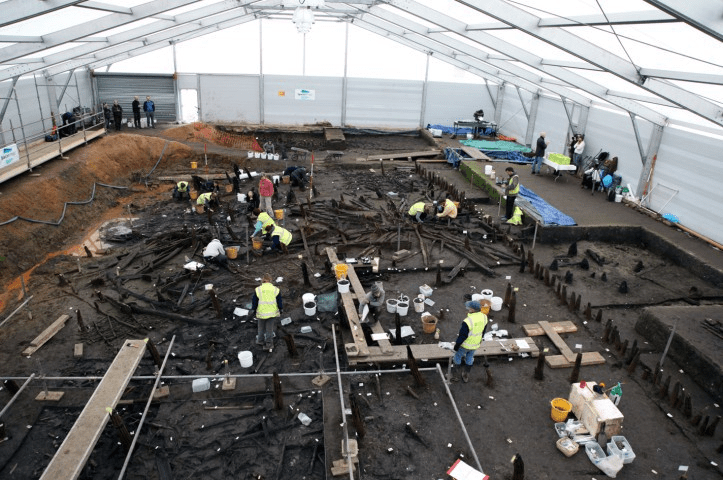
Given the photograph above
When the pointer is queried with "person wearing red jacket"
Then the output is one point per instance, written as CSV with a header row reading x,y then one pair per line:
x,y
266,191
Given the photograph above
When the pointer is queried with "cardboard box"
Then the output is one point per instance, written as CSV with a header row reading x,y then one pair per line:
x,y
595,410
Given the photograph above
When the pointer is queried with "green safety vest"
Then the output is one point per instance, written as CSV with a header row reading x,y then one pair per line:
x,y
283,234
266,294
416,208
182,186
204,198
515,190
476,323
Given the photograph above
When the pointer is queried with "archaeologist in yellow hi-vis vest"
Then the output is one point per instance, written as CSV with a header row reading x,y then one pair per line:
x,y
516,218
280,237
180,191
267,305
469,340
263,220
208,200
418,212
448,211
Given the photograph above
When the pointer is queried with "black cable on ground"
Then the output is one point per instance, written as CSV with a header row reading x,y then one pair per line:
x,y
65,207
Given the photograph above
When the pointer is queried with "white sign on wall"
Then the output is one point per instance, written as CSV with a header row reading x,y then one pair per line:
x,y
9,155
304,94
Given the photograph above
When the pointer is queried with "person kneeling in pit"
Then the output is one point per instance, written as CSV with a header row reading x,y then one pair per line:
x,y
375,300
209,200
215,253
418,212
280,238
180,191
449,210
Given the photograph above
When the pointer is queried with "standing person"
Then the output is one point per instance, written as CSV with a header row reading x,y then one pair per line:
x,y
511,190
266,191
267,305
577,155
448,211
469,340
117,115
150,108
107,115
539,153
375,300
280,237
136,112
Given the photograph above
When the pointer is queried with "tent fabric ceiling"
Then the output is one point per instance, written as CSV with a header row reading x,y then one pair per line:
x,y
649,57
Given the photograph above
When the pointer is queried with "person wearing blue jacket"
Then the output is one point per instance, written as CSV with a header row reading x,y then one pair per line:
x,y
150,108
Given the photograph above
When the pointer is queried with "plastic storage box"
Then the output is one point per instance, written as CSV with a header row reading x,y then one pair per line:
x,y
619,446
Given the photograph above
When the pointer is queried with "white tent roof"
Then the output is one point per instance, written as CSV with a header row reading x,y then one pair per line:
x,y
656,59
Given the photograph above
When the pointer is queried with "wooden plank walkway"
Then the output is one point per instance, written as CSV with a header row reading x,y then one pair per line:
x,y
404,155
70,458
567,359
359,347
534,329
47,334
41,151
475,153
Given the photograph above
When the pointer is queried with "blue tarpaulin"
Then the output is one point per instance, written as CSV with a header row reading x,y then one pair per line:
x,y
460,130
512,157
549,214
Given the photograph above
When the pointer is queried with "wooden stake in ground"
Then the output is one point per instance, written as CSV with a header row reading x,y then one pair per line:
x,y
154,352
540,368
291,345
278,394
414,368
518,468
575,375
117,421
512,308
356,418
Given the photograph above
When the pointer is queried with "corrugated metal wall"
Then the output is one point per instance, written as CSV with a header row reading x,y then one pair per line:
x,y
282,107
383,103
229,98
124,86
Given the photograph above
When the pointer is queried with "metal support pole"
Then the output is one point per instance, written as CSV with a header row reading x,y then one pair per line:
x,y
423,107
22,129
65,87
16,310
459,418
344,424
40,104
670,340
17,394
261,72
344,81
12,130
534,237
145,411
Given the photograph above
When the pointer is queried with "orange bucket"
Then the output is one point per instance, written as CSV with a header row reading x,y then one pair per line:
x,y
279,214
258,244
193,194
340,270
485,304
194,165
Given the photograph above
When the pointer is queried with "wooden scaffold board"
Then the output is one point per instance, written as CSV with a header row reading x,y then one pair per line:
x,y
567,359
70,458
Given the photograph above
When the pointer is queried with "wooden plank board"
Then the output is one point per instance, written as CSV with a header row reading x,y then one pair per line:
x,y
558,341
588,358
47,334
534,329
70,458
475,153
404,155
431,352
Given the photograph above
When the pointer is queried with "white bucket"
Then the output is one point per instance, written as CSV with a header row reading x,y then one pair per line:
x,y
476,297
241,197
310,308
263,156
246,358
492,174
392,305
488,169
343,285
402,308
257,154
276,156
251,154
618,197
470,136
496,304
276,178
487,294
418,305
308,297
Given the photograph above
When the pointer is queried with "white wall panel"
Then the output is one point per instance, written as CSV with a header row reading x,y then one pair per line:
x,y
449,102
230,98
187,80
383,103
691,164
551,119
513,122
282,107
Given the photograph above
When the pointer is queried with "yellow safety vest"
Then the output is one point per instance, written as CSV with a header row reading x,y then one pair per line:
x,y
283,234
476,323
450,209
204,198
265,220
182,186
515,190
266,294
516,217
416,208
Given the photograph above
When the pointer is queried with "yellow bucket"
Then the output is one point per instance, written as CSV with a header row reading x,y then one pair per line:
x,y
231,252
199,208
279,214
194,165
560,409
485,304
193,194
258,244
429,323
340,270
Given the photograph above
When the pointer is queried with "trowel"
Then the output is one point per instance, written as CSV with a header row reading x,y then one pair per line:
x,y
365,312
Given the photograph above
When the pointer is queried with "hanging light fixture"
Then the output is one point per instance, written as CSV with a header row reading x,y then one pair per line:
x,y
303,19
